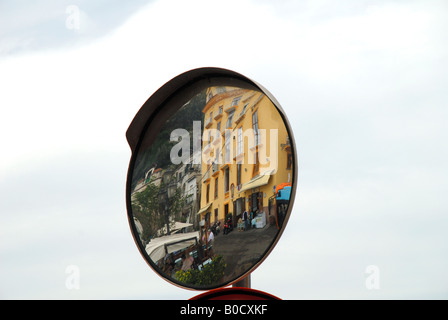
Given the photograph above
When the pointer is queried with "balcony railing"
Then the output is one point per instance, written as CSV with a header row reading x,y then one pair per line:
x,y
215,168
241,115
230,107
208,122
217,138
207,148
287,145
206,176
219,114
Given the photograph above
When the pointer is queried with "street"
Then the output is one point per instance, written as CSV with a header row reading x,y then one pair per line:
x,y
242,249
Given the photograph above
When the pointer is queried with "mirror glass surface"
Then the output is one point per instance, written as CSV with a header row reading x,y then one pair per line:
x,y
211,185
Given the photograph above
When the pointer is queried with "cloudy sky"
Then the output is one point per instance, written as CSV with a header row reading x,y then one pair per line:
x,y
362,82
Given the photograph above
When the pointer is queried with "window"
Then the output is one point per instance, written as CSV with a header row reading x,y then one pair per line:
x,y
230,119
240,141
217,157
256,168
208,193
255,128
226,180
227,147
236,101
289,160
238,175
216,188
242,114
218,129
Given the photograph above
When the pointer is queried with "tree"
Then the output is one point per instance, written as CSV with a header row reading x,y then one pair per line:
x,y
146,208
156,210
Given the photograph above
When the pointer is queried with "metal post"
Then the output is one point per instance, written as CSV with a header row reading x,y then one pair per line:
x,y
243,283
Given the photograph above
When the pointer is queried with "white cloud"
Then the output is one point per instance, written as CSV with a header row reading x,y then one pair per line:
x,y
363,90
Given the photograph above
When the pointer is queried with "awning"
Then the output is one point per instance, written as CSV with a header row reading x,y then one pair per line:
x,y
205,208
256,182
174,227
156,247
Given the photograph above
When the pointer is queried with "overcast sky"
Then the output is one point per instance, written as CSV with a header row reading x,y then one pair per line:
x,y
363,84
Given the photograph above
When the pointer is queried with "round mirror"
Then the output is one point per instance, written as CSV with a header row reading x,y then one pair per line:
x,y
212,178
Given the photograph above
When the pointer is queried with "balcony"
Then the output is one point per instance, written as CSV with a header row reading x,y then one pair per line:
x,y
208,122
217,139
286,146
207,148
206,176
215,169
241,115
219,114
230,108
232,105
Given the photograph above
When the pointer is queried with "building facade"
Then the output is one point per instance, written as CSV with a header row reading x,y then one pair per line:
x,y
245,154
185,177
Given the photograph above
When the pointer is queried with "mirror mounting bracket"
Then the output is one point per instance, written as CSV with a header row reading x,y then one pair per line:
x,y
243,283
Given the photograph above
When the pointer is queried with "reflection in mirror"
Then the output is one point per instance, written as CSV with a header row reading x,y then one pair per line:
x,y
211,192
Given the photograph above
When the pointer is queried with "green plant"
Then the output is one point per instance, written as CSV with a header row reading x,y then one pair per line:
x,y
209,275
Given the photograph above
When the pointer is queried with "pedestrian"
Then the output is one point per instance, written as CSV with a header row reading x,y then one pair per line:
x,y
240,225
187,261
245,220
251,218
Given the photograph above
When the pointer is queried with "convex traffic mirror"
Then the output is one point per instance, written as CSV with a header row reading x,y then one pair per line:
x,y
212,178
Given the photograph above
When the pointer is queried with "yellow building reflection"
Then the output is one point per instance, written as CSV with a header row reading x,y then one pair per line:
x,y
246,156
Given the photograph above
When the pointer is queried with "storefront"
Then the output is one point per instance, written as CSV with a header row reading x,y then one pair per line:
x,y
256,202
239,205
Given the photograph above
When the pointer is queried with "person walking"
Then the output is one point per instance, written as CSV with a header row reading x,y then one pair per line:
x,y
252,221
245,220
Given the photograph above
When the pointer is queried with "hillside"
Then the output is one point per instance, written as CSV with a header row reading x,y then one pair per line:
x,y
158,154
